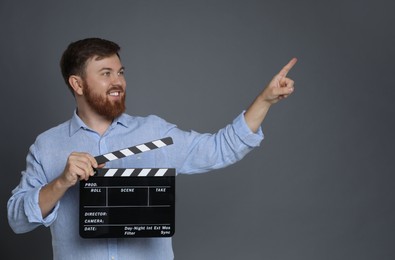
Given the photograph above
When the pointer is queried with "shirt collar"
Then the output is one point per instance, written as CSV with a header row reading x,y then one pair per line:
x,y
121,120
77,124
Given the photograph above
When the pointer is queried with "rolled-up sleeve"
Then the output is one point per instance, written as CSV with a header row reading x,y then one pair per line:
x,y
24,213
244,132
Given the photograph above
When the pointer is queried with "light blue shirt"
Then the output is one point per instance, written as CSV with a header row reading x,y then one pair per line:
x,y
191,152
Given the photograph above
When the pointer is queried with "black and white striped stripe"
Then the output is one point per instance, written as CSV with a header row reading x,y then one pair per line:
x,y
141,148
136,172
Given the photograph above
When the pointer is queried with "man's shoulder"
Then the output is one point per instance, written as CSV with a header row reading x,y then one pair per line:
x,y
59,131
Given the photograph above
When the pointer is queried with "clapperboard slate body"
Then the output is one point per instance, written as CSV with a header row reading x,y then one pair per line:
x,y
120,203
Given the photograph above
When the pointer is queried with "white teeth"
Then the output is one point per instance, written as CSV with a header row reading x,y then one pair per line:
x,y
115,94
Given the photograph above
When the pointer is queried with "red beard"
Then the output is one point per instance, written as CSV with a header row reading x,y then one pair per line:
x,y
102,105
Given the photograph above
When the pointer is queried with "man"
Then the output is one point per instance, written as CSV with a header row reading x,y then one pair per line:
x,y
60,157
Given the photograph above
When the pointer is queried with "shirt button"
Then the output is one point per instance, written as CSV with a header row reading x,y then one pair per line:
x,y
112,258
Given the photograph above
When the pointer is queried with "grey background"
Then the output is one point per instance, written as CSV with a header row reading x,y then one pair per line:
x,y
321,185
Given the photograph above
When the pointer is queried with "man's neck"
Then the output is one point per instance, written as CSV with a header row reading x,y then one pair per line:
x,y
94,121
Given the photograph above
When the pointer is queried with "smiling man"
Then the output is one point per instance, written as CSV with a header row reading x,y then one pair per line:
x,y
61,156
97,81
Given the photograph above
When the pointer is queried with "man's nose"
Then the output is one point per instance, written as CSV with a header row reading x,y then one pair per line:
x,y
117,79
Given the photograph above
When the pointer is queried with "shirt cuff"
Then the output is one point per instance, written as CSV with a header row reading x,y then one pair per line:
x,y
244,132
33,211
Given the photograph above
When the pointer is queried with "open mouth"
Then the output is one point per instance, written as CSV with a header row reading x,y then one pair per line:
x,y
114,93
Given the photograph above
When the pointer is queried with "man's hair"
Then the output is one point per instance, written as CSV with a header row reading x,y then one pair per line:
x,y
75,57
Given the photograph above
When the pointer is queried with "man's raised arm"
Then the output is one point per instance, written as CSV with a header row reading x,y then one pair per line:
x,y
280,87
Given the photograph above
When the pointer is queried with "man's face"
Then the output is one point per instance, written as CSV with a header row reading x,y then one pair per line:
x,y
104,86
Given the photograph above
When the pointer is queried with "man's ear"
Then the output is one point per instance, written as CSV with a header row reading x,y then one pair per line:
x,y
76,83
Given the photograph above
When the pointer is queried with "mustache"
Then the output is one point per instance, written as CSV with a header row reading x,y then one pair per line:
x,y
112,89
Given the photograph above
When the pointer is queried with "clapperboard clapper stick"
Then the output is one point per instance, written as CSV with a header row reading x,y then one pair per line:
x,y
132,202
141,148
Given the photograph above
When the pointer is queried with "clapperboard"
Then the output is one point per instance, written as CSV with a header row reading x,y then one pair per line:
x,y
138,202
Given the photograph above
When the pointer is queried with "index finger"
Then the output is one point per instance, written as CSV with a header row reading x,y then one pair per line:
x,y
92,160
284,71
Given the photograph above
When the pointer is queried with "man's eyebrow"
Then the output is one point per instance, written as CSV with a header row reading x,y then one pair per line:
x,y
105,68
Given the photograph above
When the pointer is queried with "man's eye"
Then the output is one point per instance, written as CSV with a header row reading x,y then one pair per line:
x,y
121,72
107,73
